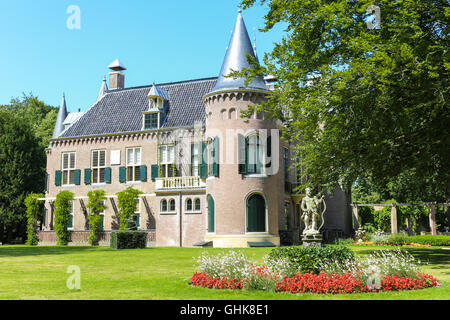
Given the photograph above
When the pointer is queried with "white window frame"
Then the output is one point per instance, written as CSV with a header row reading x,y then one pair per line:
x,y
100,168
133,164
166,159
69,171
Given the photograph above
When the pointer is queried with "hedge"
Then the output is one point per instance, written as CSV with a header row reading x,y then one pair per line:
x,y
308,259
401,239
128,239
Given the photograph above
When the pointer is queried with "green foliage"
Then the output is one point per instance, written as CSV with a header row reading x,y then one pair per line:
x,y
21,172
34,212
96,205
364,101
126,202
128,239
382,219
402,239
309,259
63,208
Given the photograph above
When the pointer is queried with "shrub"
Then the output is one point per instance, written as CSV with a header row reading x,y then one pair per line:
x,y
96,205
225,265
308,259
126,201
63,208
34,209
432,240
128,239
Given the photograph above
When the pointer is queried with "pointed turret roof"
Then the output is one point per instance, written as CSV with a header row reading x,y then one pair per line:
x,y
156,91
236,59
103,89
62,115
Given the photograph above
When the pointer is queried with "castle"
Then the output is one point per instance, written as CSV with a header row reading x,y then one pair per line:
x,y
208,176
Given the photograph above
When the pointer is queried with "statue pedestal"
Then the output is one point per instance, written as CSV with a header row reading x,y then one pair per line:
x,y
312,239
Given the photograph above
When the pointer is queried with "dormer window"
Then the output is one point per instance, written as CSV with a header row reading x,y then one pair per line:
x,y
151,121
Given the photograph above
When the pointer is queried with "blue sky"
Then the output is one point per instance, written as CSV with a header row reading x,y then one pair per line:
x,y
156,40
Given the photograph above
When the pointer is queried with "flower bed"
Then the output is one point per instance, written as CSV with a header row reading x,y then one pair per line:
x,y
384,270
321,283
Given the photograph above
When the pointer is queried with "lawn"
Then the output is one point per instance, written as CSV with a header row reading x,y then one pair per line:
x,y
162,274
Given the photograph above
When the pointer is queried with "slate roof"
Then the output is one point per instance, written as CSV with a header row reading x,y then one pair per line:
x,y
120,111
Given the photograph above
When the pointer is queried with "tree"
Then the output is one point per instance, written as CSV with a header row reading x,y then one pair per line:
x,y
34,213
96,205
21,172
63,209
126,201
364,101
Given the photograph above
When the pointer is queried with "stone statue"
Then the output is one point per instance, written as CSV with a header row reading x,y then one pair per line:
x,y
311,212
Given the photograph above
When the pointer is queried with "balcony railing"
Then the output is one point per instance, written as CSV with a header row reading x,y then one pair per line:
x,y
179,183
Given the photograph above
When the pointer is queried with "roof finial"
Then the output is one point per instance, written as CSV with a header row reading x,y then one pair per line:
x,y
240,7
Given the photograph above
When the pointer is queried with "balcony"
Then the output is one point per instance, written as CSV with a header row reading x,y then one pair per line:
x,y
179,183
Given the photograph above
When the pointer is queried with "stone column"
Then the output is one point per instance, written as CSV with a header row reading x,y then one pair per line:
x,y
409,226
432,217
394,229
355,217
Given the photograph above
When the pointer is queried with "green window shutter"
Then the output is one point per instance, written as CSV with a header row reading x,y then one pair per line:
x,y
70,222
138,220
122,174
77,177
143,173
203,156
155,172
192,158
203,171
216,157
87,176
58,175
108,175
102,221
242,154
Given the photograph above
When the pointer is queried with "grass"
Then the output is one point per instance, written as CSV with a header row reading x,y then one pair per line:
x,y
162,274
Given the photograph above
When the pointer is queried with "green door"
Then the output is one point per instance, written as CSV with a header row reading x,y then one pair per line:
x,y
211,217
256,214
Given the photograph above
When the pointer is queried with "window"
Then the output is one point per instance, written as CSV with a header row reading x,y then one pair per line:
x,y
287,215
254,154
98,166
164,205
68,168
195,159
213,157
286,164
197,205
151,121
70,223
137,213
167,159
133,164
172,205
189,204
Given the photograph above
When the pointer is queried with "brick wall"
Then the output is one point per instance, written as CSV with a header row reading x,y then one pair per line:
x,y
80,238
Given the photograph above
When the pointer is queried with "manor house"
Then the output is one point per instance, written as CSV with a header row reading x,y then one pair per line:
x,y
208,176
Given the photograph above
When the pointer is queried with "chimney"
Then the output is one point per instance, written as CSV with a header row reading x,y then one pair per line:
x,y
116,78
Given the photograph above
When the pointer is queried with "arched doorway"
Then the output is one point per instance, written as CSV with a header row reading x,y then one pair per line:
x,y
256,213
211,214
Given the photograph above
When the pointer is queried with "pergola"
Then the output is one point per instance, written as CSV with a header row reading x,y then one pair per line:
x,y
394,226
